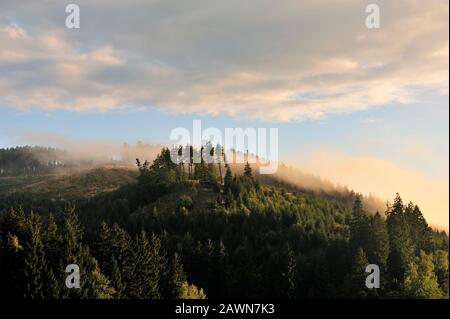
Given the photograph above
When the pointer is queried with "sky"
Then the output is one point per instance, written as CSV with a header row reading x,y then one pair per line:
x,y
367,108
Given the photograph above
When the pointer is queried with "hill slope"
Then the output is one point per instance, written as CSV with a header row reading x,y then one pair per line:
x,y
164,232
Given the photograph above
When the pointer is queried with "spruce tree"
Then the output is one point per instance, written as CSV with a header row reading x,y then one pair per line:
x,y
103,248
52,240
402,248
116,279
356,280
35,263
420,279
440,259
248,170
145,282
378,246
175,279
359,227
123,253
228,180
291,274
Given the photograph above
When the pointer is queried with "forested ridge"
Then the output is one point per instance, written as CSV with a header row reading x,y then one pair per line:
x,y
199,230
32,160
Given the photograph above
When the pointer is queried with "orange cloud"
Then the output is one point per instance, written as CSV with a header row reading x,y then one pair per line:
x,y
367,175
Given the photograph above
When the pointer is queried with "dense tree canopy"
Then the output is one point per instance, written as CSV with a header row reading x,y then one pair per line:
x,y
184,230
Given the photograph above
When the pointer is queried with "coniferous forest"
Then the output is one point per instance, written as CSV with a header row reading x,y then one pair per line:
x,y
202,230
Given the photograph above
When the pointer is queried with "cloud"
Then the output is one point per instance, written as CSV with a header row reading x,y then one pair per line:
x,y
368,174
283,61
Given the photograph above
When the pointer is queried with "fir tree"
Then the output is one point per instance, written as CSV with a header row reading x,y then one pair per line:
x,y
420,279
248,170
176,278
116,280
35,263
147,268
356,280
378,244
228,179
402,248
291,274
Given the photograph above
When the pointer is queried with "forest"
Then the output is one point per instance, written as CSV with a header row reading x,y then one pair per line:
x,y
208,230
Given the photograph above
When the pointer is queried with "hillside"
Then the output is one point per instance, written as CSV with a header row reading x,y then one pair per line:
x,y
87,183
188,234
62,174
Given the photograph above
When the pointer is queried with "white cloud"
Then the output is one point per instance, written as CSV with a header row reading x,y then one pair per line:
x,y
283,61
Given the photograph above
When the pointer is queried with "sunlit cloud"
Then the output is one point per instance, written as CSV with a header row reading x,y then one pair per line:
x,y
283,61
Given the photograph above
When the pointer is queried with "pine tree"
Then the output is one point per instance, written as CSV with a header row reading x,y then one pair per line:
x,y
420,232
148,268
103,248
221,269
15,223
402,248
191,161
441,269
356,280
116,279
52,288
72,252
123,253
95,285
248,170
420,279
359,227
52,241
175,279
291,274
228,179
378,245
219,158
181,161
35,263
72,234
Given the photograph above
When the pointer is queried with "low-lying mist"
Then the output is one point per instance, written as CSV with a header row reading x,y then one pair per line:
x,y
71,155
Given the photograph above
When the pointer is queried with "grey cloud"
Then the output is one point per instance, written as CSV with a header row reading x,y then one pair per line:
x,y
240,58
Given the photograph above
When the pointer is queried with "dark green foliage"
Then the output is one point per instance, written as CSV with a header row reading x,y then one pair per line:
x,y
35,265
291,274
148,265
378,247
174,231
116,279
156,179
420,279
355,286
441,269
228,179
175,278
402,246
248,170
370,234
